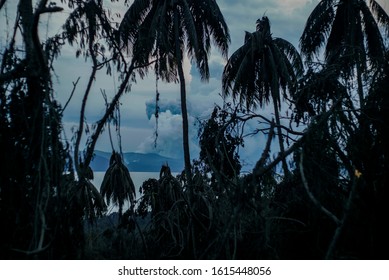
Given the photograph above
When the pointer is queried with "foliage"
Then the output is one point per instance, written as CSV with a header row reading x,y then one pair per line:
x,y
117,185
331,202
164,31
351,30
256,72
219,142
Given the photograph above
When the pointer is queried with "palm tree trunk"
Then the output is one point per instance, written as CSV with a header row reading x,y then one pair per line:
x,y
185,127
184,112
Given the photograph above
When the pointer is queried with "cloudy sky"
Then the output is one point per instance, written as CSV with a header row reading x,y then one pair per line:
x,y
138,124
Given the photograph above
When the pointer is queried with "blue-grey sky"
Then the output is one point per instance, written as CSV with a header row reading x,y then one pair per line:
x,y
287,19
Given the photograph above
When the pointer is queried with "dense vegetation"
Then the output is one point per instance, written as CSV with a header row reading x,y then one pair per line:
x,y
321,194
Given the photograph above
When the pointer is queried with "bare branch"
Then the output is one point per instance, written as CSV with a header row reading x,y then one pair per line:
x,y
71,94
266,151
82,119
50,10
287,129
311,196
108,113
298,142
346,213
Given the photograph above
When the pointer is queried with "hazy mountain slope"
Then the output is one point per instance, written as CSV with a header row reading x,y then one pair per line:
x,y
137,162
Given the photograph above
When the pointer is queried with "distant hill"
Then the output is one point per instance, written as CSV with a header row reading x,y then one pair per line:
x,y
137,162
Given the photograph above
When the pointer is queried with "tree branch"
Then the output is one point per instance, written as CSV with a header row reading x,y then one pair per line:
x,y
2,2
108,113
71,94
259,166
50,10
311,196
298,142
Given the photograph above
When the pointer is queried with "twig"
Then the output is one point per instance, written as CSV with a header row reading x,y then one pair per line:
x,y
71,95
109,123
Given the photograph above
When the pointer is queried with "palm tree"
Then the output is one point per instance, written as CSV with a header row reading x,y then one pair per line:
x,y
257,71
117,185
350,31
84,199
164,29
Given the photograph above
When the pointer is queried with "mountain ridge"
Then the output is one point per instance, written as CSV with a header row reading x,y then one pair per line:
x,y
137,162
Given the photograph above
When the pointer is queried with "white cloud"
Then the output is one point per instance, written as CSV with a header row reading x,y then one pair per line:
x,y
169,141
164,105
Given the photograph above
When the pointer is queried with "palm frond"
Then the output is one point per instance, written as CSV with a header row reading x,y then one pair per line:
x,y
207,13
239,76
86,21
232,68
317,28
117,185
144,43
167,68
292,54
342,34
133,19
380,14
85,196
285,73
189,27
255,72
161,26
148,26
374,40
274,70
350,30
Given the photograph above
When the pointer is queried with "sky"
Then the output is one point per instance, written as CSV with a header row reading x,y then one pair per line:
x,y
287,19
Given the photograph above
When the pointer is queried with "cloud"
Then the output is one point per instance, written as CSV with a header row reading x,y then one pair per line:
x,y
169,141
287,18
164,105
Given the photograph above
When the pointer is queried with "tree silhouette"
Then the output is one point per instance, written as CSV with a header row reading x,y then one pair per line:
x,y
354,54
331,204
164,30
256,72
117,185
351,35
35,157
